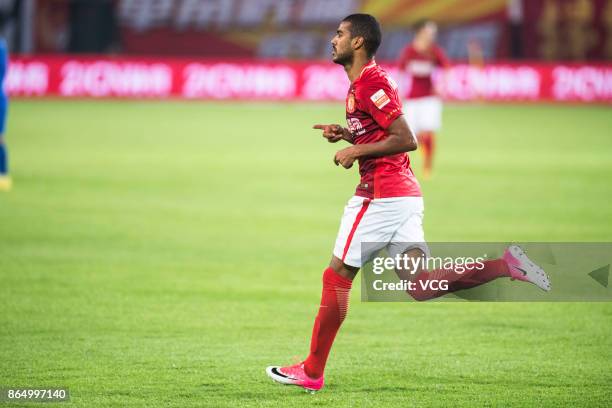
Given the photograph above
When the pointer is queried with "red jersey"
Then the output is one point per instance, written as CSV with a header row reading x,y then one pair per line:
x,y
372,104
421,66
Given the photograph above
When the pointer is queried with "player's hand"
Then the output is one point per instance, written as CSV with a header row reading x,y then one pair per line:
x,y
345,157
333,133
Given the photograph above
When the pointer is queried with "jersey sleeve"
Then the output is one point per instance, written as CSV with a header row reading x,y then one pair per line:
x,y
404,58
382,102
441,58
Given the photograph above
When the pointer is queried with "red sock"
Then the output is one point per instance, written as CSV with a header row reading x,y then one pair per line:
x,y
470,277
427,140
334,305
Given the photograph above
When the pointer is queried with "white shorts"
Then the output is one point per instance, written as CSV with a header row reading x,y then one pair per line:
x,y
394,223
424,114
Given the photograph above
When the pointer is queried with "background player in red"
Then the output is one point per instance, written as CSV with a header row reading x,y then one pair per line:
x,y
423,107
387,208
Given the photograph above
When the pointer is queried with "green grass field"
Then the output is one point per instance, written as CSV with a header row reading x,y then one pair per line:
x,y
162,254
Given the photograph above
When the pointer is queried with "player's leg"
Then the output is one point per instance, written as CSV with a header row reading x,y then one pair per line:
x,y
426,141
414,115
514,264
3,157
409,239
458,278
337,283
425,148
5,180
364,220
418,114
3,149
361,222
431,120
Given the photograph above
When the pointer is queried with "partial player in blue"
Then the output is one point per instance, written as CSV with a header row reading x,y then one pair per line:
x,y
5,179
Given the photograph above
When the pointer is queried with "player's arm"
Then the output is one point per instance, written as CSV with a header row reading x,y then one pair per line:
x,y
402,62
335,133
399,139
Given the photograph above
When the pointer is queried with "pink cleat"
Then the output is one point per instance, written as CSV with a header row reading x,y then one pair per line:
x,y
522,268
295,375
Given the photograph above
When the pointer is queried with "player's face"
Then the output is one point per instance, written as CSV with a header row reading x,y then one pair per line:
x,y
428,34
342,50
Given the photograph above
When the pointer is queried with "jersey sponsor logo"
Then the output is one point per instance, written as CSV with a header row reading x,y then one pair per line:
x,y
380,99
350,103
355,126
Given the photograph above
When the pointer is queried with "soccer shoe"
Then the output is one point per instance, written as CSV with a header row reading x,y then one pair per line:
x,y
524,269
295,375
5,183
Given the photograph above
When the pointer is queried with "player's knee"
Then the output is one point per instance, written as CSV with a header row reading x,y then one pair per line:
x,y
335,264
343,269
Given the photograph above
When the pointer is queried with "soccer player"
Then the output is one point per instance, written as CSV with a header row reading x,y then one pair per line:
x,y
5,180
387,207
423,106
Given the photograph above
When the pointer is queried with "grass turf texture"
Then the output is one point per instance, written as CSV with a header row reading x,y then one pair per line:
x,y
162,254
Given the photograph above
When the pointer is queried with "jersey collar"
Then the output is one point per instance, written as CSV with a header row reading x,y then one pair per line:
x,y
368,66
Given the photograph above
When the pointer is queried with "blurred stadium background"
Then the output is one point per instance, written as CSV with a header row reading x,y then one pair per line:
x,y
172,208
273,49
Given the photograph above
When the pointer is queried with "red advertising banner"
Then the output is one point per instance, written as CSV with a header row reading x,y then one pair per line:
x,y
95,77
